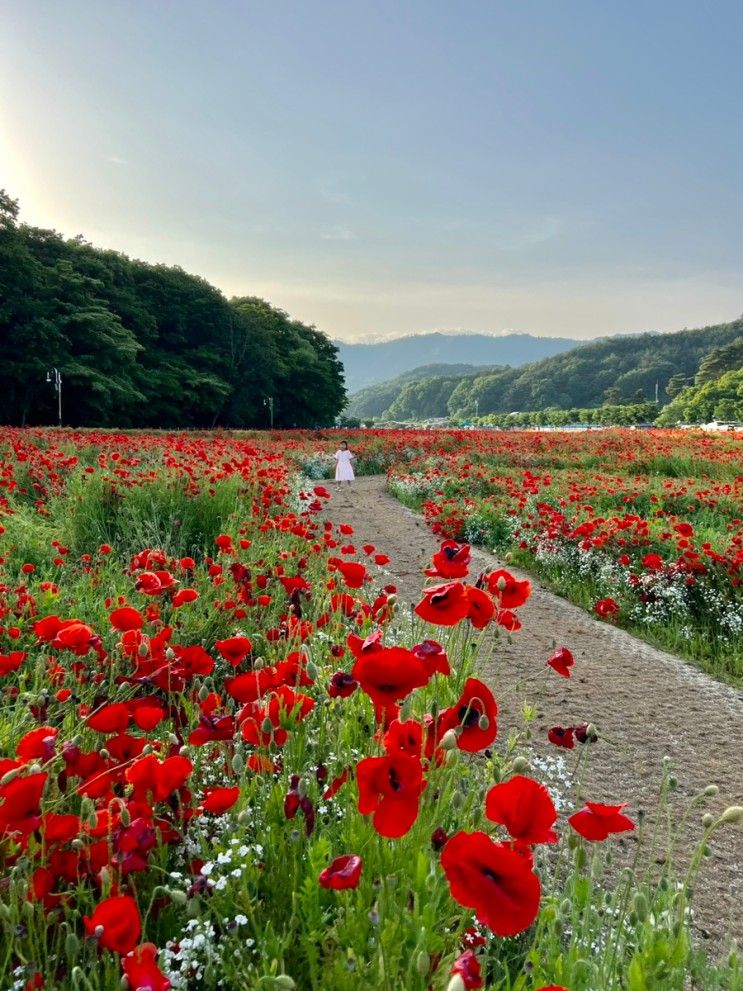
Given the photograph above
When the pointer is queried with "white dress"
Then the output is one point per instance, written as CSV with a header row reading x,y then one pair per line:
x,y
343,468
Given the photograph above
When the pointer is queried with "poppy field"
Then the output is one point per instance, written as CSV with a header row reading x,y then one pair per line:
x,y
643,529
230,758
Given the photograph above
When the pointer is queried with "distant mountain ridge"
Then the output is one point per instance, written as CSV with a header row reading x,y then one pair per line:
x,y
625,368
366,364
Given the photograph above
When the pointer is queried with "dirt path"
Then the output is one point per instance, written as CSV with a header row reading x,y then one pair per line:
x,y
648,703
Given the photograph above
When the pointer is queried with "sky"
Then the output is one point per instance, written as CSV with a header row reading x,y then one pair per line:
x,y
398,166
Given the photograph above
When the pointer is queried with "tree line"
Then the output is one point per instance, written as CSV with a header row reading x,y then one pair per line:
x,y
143,345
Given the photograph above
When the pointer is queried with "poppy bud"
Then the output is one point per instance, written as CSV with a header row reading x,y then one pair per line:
x,y
35,769
203,693
708,820
733,815
105,877
392,599
77,844
172,738
244,817
483,722
99,931
423,963
125,816
449,740
520,765
266,725
640,906
284,983
105,754
710,791
501,583
170,654
258,664
302,788
312,671
238,763
143,650
456,984
9,776
178,897
193,909
580,857
71,944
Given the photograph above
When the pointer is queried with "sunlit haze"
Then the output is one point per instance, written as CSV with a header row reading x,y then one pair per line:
x,y
382,169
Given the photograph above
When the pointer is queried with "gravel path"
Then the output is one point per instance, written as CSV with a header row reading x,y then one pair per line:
x,y
649,704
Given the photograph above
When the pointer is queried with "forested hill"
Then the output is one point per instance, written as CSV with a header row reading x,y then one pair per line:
x,y
147,345
615,370
374,400
366,364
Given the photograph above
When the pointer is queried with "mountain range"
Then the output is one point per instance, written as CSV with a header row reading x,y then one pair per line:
x,y
366,364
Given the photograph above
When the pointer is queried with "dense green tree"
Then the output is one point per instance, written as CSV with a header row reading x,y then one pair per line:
x,y
676,384
728,358
147,345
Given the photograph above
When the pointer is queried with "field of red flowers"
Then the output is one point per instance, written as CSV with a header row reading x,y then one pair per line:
x,y
643,529
229,760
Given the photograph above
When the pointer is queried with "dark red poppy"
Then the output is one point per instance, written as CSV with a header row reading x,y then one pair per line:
x,y
433,656
112,718
344,872
596,821
389,789
444,605
525,808
494,880
561,661
509,591
115,923
606,608
561,736
342,684
452,560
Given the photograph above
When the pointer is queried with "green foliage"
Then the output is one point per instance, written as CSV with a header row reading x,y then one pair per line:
x,y
728,358
147,345
617,371
375,400
715,399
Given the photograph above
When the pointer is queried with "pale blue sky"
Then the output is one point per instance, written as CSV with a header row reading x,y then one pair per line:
x,y
562,168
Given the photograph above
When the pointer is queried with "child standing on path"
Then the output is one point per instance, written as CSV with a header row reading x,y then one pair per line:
x,y
343,466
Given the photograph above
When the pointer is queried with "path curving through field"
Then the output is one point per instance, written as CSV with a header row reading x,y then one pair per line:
x,y
649,704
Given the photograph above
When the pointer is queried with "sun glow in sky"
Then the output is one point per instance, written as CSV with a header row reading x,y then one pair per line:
x,y
385,168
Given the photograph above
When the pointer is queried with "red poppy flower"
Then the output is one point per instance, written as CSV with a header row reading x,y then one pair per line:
x,y
405,738
20,801
74,636
390,788
283,704
467,966
561,661
343,873
433,656
115,923
561,736
218,800
596,821
234,649
473,717
525,808
126,618
342,684
510,592
452,560
482,607
141,970
606,608
508,620
11,662
113,718
494,880
389,674
353,573
157,780
444,605
184,595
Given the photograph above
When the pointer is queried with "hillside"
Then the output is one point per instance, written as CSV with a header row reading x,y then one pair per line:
x,y
616,369
366,364
375,399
